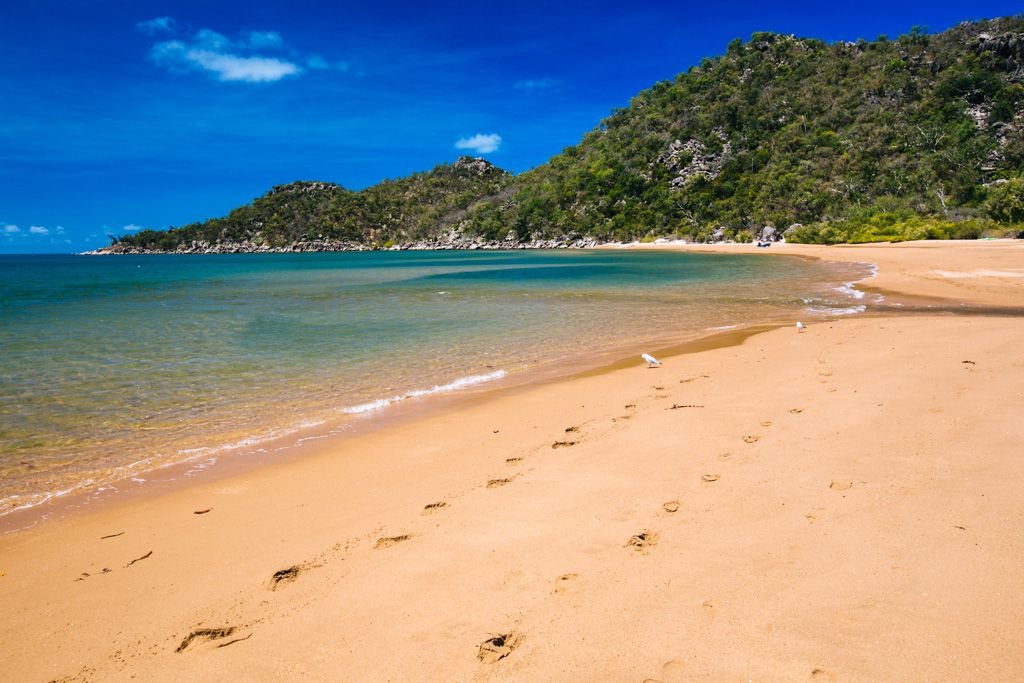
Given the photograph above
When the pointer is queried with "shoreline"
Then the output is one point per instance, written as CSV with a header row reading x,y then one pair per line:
x,y
286,442
233,459
304,442
780,501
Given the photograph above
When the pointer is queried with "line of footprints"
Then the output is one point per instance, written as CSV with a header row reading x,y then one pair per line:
x,y
496,646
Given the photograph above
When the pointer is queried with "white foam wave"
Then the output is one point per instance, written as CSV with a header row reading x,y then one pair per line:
x,y
455,385
850,289
248,442
825,310
22,502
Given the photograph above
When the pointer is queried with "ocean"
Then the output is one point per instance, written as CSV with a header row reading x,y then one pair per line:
x,y
114,367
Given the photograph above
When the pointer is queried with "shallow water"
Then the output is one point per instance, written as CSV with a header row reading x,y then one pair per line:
x,y
112,366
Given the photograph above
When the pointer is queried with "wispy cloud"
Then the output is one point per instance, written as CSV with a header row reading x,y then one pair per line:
x,y
11,229
225,59
532,84
209,39
151,27
260,40
38,230
480,143
131,227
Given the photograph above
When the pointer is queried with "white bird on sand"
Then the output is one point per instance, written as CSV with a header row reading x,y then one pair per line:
x,y
651,360
800,327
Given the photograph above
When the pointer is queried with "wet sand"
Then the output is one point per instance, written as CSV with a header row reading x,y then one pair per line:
x,y
837,504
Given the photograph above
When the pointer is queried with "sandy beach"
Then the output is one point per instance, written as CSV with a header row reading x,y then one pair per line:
x,y
841,504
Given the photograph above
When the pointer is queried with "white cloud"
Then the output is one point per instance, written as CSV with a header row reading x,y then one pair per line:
x,y
60,229
532,84
480,143
178,56
11,229
38,230
230,67
156,25
214,53
131,227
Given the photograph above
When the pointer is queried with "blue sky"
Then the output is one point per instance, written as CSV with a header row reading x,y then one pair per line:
x,y
124,114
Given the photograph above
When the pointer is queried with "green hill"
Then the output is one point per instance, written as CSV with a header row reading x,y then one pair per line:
x,y
921,136
319,216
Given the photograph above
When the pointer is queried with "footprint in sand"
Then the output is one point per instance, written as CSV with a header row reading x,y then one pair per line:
x,y
796,411
495,483
570,430
670,506
434,507
766,423
841,485
563,582
752,438
564,444
642,541
724,456
708,478
283,577
498,647
819,674
388,541
211,634
512,461
671,670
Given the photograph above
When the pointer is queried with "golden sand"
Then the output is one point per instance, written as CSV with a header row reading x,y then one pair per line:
x,y
839,504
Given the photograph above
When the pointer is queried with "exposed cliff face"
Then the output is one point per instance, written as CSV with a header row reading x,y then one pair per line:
x,y
778,131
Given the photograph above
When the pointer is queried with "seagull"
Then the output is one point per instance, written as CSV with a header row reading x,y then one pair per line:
x,y
800,327
651,360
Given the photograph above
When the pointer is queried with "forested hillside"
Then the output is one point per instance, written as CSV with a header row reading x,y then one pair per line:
x,y
921,136
315,216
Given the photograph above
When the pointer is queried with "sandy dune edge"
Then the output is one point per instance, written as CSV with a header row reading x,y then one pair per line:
x,y
841,504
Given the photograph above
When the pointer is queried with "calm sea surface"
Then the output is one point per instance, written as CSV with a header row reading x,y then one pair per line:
x,y
113,366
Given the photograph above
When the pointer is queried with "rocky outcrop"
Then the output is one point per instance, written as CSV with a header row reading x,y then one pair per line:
x,y
476,165
451,240
691,159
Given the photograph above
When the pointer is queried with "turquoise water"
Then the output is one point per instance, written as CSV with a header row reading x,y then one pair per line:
x,y
112,366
